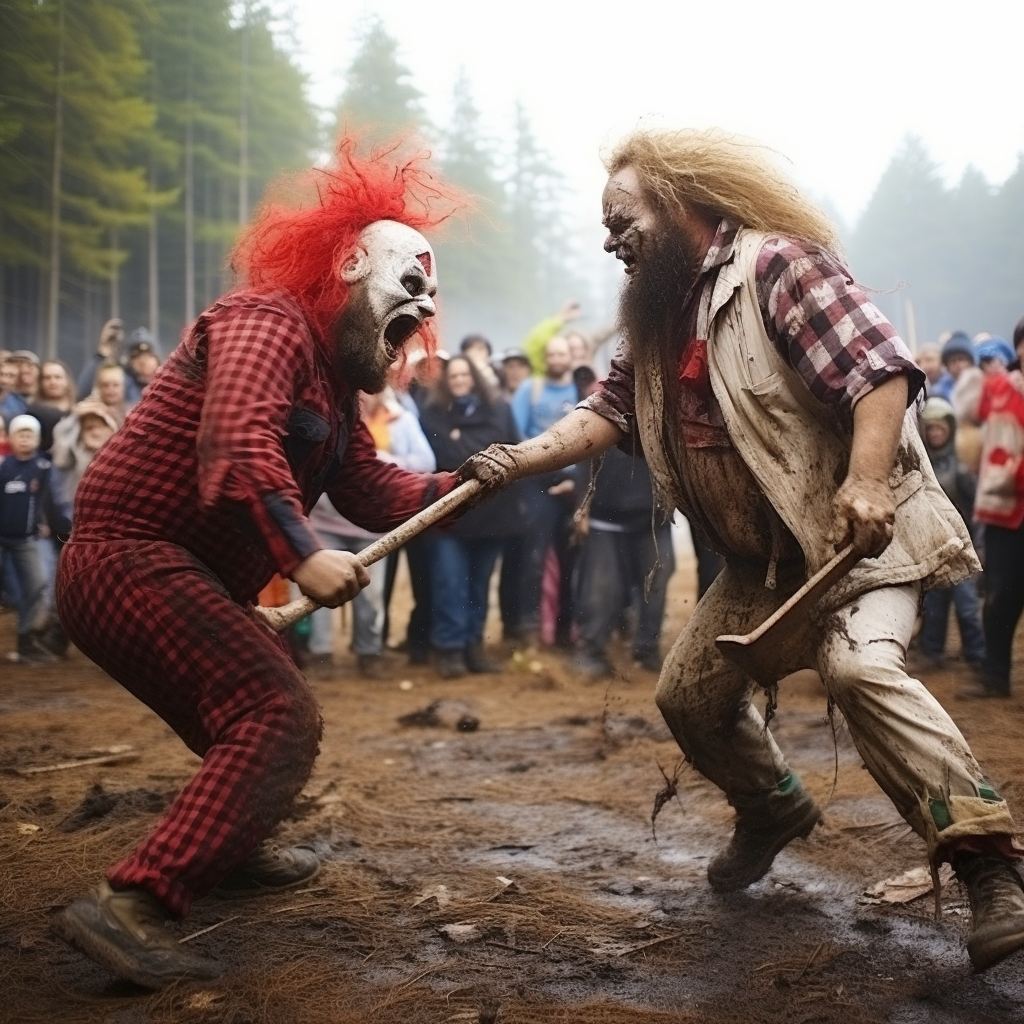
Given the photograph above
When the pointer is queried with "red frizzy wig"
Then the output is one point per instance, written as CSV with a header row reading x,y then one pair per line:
x,y
296,246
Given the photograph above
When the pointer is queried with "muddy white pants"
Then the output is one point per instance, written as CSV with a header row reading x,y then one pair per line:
x,y
910,745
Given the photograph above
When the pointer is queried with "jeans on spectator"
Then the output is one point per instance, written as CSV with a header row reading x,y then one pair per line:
x,y
1004,602
510,585
23,554
460,576
613,565
548,524
935,621
367,606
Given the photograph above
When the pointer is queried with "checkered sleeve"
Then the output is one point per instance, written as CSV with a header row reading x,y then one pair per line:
x,y
826,327
613,398
378,495
255,356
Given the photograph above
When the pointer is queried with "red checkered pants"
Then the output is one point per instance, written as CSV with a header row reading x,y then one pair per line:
x,y
164,627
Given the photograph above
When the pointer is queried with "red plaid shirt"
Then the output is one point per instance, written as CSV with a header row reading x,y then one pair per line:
x,y
823,324
240,432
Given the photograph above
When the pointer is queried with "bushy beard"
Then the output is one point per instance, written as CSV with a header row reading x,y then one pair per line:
x,y
359,355
654,297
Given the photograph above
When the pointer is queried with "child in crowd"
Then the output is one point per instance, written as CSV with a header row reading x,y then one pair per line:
x,y
76,440
938,422
24,493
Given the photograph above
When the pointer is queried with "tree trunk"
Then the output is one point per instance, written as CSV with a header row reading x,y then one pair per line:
x,y
53,304
190,191
243,126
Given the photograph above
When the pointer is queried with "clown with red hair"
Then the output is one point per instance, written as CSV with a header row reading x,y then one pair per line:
x,y
191,508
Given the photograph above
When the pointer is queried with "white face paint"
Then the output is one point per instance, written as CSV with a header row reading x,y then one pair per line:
x,y
394,265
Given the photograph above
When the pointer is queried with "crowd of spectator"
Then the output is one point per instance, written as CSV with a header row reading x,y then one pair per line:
x,y
567,576
48,437
972,423
581,554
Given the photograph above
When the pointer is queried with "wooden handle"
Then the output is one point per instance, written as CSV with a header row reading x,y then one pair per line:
x,y
279,619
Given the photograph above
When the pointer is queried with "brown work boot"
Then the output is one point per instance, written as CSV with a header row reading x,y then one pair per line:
x,y
997,908
761,832
125,931
270,868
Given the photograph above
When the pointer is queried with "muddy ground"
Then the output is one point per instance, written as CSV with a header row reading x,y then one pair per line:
x,y
504,875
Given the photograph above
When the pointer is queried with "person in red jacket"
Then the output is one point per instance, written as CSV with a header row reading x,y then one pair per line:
x,y
203,495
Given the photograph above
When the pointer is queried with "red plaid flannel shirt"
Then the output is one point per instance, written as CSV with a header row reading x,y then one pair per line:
x,y
821,321
240,432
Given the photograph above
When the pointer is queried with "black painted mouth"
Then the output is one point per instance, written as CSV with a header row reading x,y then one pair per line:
x,y
398,332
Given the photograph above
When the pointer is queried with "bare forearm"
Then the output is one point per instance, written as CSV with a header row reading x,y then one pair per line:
x,y
864,508
877,424
580,435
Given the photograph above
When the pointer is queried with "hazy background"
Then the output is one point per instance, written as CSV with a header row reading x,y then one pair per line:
x,y
137,135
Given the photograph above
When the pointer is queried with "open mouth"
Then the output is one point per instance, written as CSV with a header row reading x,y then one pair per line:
x,y
397,332
627,258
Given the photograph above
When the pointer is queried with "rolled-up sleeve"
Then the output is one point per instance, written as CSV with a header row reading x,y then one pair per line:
x,y
255,356
826,327
614,396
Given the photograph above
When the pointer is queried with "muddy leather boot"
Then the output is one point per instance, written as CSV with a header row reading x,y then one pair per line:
x,y
997,908
762,830
125,931
270,868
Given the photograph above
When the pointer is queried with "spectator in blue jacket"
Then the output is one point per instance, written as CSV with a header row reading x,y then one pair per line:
x,y
24,494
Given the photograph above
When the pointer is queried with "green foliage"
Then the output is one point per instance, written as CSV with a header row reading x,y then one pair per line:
x,y
379,98
506,262
959,249
157,102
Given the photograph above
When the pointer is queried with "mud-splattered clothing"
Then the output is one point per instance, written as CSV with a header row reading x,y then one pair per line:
x,y
821,321
180,521
823,326
791,430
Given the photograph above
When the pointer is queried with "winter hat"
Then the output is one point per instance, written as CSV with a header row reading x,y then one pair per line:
x,y
992,347
958,343
937,409
26,422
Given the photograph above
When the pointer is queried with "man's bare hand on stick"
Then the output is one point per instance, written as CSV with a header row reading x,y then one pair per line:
x,y
864,511
331,577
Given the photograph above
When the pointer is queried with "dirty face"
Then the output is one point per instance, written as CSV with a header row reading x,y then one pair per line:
x,y
629,218
392,284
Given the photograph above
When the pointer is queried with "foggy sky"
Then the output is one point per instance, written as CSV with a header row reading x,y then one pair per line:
x,y
834,88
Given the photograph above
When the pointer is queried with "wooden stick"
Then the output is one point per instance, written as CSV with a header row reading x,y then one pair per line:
x,y
652,942
203,931
122,758
279,619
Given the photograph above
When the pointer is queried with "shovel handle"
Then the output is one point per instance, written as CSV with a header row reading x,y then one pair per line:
x,y
279,619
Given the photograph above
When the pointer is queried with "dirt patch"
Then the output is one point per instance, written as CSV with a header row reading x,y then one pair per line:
x,y
508,874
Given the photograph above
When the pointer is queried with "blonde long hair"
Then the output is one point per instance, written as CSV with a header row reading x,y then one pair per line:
x,y
725,175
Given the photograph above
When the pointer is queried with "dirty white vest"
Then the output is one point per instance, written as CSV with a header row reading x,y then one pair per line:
x,y
798,451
